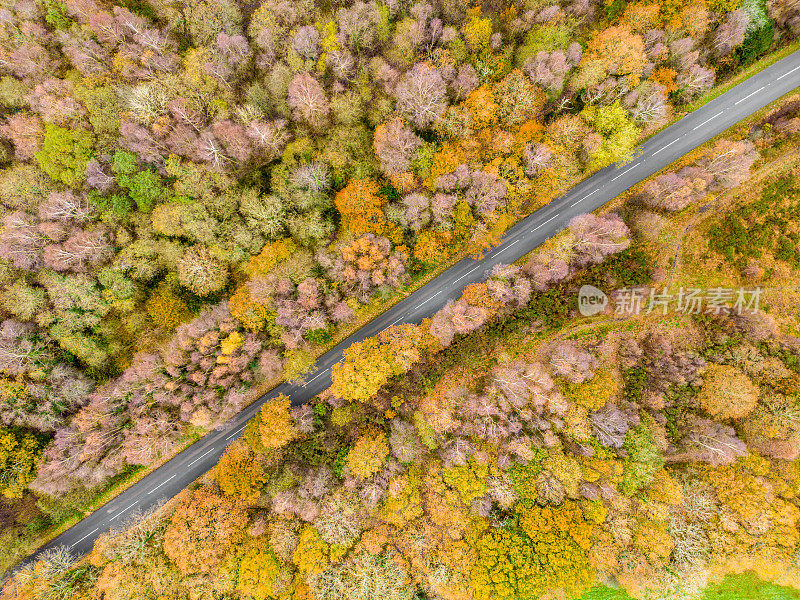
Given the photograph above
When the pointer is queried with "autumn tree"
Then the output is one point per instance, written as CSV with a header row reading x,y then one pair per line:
x,y
200,272
275,425
617,51
369,364
19,453
308,100
368,454
727,393
598,237
239,472
202,529
359,204
422,95
259,571
394,145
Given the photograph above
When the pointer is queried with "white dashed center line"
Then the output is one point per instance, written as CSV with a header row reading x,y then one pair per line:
x,y
623,173
166,480
123,511
748,96
199,457
707,120
664,147
84,537
317,376
235,433
788,73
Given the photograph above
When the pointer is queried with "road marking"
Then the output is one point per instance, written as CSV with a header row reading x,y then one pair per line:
x,y
318,375
123,510
235,432
623,173
462,277
166,480
511,244
199,457
748,95
788,73
707,120
432,297
576,202
84,537
400,318
664,147
590,194
550,219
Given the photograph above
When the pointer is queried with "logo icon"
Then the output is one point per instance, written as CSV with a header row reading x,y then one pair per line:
x,y
591,300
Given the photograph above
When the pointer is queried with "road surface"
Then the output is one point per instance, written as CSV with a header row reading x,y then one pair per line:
x,y
654,154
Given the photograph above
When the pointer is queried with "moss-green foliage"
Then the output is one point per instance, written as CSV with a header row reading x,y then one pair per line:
x,y
619,134
425,431
64,153
634,380
761,227
643,460
523,477
733,587
543,37
144,186
759,38
55,14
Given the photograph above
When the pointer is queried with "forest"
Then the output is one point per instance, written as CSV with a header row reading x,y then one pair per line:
x,y
198,197
508,449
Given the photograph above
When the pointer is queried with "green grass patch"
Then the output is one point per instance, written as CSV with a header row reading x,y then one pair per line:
x,y
733,587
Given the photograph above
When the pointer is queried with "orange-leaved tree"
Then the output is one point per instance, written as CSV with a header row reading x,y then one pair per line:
x,y
204,526
360,206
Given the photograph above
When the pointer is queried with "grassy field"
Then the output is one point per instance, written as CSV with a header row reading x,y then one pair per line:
x,y
734,587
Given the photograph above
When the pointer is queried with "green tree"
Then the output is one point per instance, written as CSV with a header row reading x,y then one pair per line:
x,y
144,186
644,459
618,134
64,153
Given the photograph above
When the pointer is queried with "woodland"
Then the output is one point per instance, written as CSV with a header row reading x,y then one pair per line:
x,y
198,196
505,448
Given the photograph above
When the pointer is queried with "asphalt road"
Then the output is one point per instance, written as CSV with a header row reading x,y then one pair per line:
x,y
653,155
